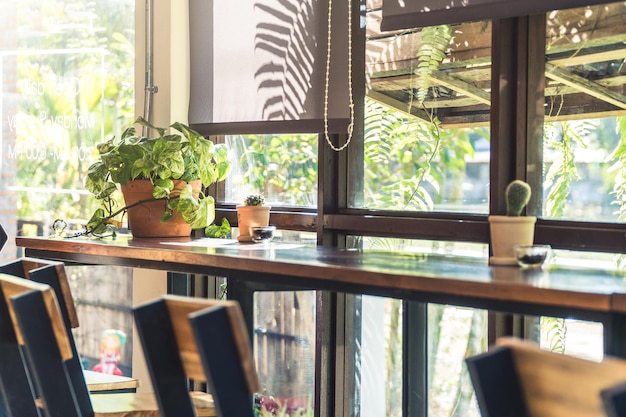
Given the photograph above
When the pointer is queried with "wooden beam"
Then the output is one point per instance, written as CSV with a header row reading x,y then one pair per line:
x,y
586,86
589,58
555,53
462,87
400,106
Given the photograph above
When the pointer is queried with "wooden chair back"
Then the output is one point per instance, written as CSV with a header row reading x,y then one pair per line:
x,y
39,270
18,398
518,379
614,399
15,384
204,340
39,327
53,274
49,348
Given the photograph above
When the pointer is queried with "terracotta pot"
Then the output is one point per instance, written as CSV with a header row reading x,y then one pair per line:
x,y
250,216
145,220
506,232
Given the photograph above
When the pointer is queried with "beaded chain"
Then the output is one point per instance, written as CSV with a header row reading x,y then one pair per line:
x,y
351,103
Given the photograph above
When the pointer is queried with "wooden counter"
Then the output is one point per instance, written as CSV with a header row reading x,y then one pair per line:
x,y
577,293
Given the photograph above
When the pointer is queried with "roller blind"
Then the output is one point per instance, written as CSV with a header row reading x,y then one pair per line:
x,y
258,66
404,14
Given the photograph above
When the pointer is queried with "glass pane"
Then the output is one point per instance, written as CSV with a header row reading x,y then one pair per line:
x,y
575,337
67,82
579,338
281,167
284,351
585,129
426,118
103,297
67,76
453,333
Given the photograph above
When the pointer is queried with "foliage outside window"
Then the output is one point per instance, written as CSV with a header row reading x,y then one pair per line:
x,y
76,88
426,118
283,168
584,134
67,71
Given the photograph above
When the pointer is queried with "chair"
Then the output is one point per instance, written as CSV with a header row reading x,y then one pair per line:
x,y
18,399
199,339
3,237
614,399
53,274
48,347
518,379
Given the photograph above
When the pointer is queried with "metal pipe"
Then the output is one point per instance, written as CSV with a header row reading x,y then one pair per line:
x,y
150,88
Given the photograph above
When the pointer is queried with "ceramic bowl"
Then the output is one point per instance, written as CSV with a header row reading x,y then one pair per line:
x,y
262,234
531,256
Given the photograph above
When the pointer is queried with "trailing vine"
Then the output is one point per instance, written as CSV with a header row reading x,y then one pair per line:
x,y
561,139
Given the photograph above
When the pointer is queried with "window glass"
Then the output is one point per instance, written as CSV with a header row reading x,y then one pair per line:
x,y
454,333
584,148
67,77
281,167
284,351
67,83
426,144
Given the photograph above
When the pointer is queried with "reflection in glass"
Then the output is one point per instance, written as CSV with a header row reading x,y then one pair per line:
x,y
584,131
67,71
427,108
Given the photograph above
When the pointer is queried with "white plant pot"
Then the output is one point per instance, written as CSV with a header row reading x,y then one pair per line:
x,y
506,232
251,216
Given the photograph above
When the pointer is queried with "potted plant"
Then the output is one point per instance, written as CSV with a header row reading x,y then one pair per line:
x,y
162,178
513,228
253,212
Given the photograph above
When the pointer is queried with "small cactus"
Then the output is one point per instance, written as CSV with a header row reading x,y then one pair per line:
x,y
517,194
254,200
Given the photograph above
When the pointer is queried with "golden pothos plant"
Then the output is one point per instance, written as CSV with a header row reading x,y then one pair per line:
x,y
161,159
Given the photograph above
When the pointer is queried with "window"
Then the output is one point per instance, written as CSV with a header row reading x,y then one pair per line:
x,y
281,167
284,350
426,137
581,139
584,118
67,72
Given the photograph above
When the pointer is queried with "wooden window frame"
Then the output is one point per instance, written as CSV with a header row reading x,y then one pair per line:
x,y
518,57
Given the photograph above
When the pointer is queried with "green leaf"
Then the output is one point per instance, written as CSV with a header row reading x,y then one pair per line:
x,y
143,122
162,188
96,224
205,214
220,231
167,215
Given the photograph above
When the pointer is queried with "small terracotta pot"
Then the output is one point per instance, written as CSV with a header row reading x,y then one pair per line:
x,y
251,216
506,232
145,220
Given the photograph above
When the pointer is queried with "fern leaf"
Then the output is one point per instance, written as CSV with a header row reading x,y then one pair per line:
x,y
435,43
284,37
